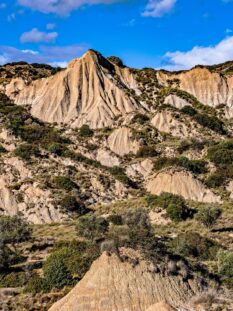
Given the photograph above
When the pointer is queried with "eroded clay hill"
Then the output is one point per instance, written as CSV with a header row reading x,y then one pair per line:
x,y
181,183
210,88
89,92
113,284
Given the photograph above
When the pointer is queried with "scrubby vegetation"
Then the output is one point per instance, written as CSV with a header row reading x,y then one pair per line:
x,y
192,244
13,230
221,154
208,216
85,131
175,206
194,166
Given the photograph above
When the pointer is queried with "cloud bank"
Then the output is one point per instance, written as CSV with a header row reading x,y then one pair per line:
x,y
158,8
200,55
60,7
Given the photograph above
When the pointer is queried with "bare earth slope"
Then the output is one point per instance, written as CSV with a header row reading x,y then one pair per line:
x,y
111,284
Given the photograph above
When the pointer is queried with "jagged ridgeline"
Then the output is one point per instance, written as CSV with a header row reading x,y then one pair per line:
x,y
118,179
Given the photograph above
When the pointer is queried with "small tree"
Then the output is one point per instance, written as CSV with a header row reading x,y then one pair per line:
x,y
208,216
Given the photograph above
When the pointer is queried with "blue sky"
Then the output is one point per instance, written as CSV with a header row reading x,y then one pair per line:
x,y
170,34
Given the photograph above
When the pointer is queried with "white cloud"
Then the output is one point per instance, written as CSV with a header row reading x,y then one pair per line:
x,y
157,8
50,26
60,7
56,55
200,55
36,36
59,64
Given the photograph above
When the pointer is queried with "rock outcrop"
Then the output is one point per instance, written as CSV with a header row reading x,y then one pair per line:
x,y
180,182
113,284
89,92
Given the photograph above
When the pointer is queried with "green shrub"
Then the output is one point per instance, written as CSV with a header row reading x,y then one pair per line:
x,y
194,166
211,122
115,219
221,154
192,144
177,212
92,227
192,244
57,148
13,279
56,273
13,230
71,204
85,131
165,199
140,118
147,151
208,216
64,182
36,285
2,149
27,151
77,255
215,180
189,110
225,266
119,173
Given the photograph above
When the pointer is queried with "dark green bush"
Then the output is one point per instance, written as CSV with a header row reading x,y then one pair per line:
x,y
63,182
194,166
215,180
36,285
211,122
192,244
177,212
13,279
92,227
13,230
57,148
225,266
119,173
165,199
72,204
85,131
221,154
147,151
27,151
56,273
208,216
140,118
192,144
115,219
2,149
189,110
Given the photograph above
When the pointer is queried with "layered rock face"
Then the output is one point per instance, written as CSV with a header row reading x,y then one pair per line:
x,y
89,92
114,285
